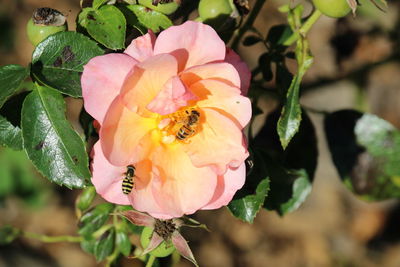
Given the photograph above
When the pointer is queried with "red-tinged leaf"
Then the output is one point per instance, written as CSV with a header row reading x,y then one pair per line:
x,y
155,241
139,218
182,247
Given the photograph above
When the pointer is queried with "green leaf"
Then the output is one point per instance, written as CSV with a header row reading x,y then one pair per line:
x,y
52,145
289,170
107,25
58,61
94,218
366,150
149,19
290,119
300,191
10,135
123,243
246,208
88,245
105,246
11,78
85,199
98,3
278,35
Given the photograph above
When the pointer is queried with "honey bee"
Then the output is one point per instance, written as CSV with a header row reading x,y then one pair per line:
x,y
127,183
189,128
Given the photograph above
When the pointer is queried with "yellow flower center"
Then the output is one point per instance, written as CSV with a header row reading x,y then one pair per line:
x,y
180,125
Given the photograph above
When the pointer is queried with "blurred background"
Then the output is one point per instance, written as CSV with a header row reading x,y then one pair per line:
x,y
357,65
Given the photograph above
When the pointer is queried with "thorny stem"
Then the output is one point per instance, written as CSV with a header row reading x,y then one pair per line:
x,y
249,23
51,239
150,261
304,28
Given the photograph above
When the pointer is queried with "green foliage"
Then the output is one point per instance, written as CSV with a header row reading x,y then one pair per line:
x,y
144,19
94,218
58,61
85,199
290,119
105,245
54,147
107,25
291,171
246,208
164,8
365,149
248,201
122,242
11,78
19,179
10,135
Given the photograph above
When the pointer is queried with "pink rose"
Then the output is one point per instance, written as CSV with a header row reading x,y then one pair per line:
x,y
172,107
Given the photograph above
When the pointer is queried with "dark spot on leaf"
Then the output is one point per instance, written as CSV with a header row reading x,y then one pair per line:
x,y
75,159
90,16
119,27
39,145
67,54
146,9
58,62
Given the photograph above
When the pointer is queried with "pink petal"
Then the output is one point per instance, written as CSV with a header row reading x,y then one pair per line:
x,y
146,81
192,43
141,48
173,96
139,218
182,247
107,178
219,71
101,81
155,241
122,132
141,197
178,186
227,186
241,67
219,143
225,98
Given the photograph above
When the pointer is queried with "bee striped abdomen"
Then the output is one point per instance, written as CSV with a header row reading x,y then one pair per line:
x,y
127,183
184,132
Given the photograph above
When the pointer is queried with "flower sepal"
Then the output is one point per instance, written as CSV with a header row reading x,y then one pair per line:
x,y
163,231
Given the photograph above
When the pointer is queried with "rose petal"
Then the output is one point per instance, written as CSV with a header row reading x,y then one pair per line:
x,y
219,143
122,132
225,98
241,67
141,48
227,186
141,197
219,71
102,79
173,96
146,80
192,43
107,178
178,186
